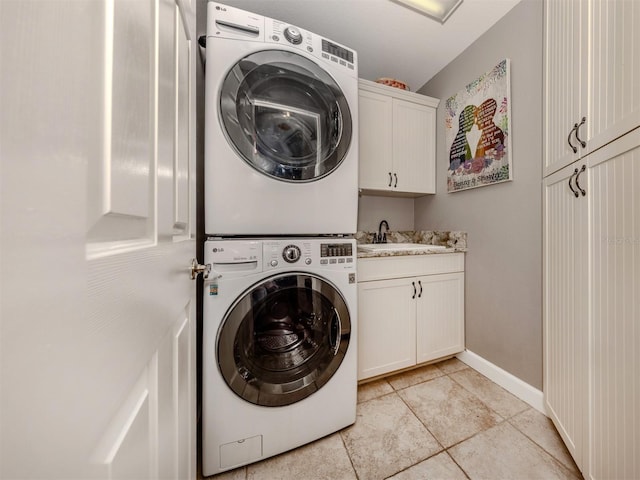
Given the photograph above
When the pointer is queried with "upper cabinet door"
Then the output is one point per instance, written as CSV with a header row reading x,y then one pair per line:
x,y
565,81
375,140
414,147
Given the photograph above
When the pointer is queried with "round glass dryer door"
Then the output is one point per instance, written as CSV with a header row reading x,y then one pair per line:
x,y
283,339
285,116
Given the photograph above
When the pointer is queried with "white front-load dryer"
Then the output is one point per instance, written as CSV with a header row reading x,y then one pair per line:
x,y
281,128
279,346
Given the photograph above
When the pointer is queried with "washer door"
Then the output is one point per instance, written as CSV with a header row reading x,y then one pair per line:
x,y
285,116
283,339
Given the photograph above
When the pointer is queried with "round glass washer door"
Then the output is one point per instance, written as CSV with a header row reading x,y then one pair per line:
x,y
283,339
285,116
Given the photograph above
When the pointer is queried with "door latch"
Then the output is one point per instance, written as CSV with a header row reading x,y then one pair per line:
x,y
197,269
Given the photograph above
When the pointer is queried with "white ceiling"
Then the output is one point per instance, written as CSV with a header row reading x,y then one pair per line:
x,y
391,40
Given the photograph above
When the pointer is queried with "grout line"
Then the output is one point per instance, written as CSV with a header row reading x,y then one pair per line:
x,y
457,464
346,449
573,467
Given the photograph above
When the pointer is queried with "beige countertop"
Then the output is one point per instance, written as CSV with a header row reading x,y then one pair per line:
x,y
454,241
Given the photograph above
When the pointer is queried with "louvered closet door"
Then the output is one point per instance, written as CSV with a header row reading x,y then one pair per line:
x,y
614,70
565,311
614,195
565,78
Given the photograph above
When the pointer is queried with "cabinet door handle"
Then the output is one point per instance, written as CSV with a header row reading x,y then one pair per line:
x,y
582,190
390,179
577,128
395,185
420,294
571,178
414,289
573,147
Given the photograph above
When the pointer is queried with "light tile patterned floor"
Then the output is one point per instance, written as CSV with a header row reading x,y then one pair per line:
x,y
442,421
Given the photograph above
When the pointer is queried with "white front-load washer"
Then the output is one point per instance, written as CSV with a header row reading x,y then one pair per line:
x,y
279,346
281,128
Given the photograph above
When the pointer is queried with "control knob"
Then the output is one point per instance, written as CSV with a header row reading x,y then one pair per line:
x,y
291,253
293,35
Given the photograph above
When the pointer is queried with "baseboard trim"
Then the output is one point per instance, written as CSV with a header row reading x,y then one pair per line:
x,y
506,380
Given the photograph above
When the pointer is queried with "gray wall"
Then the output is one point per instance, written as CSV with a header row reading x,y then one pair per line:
x,y
372,209
503,221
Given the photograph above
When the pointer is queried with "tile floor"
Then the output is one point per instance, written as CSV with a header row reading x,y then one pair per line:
x,y
441,421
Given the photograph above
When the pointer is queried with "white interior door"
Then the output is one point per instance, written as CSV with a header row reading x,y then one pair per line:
x,y
97,229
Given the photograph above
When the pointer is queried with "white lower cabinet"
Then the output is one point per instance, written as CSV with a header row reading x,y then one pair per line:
x,y
387,327
440,316
410,311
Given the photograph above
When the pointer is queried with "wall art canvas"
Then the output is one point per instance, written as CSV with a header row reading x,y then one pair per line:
x,y
478,131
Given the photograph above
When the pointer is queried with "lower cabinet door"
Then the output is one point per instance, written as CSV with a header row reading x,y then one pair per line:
x,y
386,317
439,316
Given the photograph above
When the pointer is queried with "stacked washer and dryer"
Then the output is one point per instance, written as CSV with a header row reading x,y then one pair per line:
x,y
281,199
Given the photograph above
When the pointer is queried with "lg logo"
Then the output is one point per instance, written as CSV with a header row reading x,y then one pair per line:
x,y
218,250
222,9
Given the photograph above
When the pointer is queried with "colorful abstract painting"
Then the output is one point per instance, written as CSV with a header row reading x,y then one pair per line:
x,y
478,131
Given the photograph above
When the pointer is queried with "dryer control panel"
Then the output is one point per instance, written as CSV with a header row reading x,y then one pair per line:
x,y
224,21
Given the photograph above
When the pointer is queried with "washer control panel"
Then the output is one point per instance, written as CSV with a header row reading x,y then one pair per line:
x,y
309,252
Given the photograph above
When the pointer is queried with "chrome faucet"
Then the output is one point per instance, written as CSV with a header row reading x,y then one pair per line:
x,y
381,237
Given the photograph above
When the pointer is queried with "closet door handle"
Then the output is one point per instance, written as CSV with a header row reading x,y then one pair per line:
x,y
573,147
390,179
395,185
582,190
414,289
571,178
420,294
577,128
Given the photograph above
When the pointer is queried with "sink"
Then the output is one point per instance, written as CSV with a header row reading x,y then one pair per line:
x,y
399,247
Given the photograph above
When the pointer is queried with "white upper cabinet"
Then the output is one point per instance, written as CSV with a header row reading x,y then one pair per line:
x,y
397,141
591,77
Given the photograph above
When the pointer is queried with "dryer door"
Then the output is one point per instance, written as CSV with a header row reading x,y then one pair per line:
x,y
285,116
283,339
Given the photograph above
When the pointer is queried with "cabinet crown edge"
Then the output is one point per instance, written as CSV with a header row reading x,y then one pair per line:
x,y
398,93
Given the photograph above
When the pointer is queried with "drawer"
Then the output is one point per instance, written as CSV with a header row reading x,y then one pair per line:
x,y
409,266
